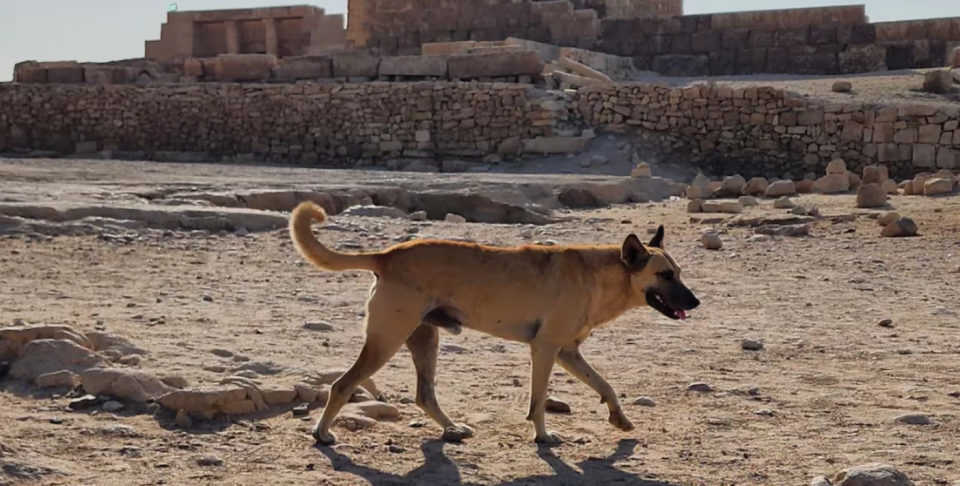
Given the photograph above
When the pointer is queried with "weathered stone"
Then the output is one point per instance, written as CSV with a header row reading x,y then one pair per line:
x,y
781,188
43,356
232,68
938,186
756,187
729,207
837,166
67,379
554,145
903,227
842,87
871,196
711,241
833,184
784,203
642,170
495,64
937,81
425,66
732,186
890,187
125,384
296,68
875,174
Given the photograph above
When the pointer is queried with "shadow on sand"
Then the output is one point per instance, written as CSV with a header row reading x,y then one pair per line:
x,y
439,470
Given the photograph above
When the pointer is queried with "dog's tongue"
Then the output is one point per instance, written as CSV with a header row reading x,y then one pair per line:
x,y
682,315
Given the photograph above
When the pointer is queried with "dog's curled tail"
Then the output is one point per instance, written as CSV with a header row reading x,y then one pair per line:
x,y
314,251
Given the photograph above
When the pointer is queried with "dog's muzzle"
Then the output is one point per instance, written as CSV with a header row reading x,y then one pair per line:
x,y
674,304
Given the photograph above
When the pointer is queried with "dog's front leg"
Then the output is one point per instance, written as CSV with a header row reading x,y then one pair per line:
x,y
572,361
543,355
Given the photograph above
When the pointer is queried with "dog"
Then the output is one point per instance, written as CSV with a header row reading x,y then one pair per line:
x,y
549,297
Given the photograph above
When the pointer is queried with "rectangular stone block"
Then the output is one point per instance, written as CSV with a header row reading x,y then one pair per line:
x,y
723,62
883,132
554,145
867,58
924,155
792,37
820,36
65,74
427,66
929,134
947,158
495,64
810,117
232,68
778,61
888,152
303,67
762,39
355,65
108,75
704,42
735,39
680,65
815,59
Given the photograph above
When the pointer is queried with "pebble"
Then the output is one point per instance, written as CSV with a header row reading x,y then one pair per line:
x,y
301,410
699,387
784,203
207,298
112,406
418,216
645,402
711,241
453,348
554,405
751,345
321,326
210,461
886,323
242,232
765,412
396,449
820,481
914,419
454,218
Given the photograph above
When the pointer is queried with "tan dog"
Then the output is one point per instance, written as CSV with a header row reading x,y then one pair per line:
x,y
550,297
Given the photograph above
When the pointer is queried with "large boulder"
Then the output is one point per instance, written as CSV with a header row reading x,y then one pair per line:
x,y
871,196
833,184
938,81
781,188
495,64
756,187
13,339
938,186
732,186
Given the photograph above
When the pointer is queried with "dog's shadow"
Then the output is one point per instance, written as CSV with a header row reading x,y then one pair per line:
x,y
439,470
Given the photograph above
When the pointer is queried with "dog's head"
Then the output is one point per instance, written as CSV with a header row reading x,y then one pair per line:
x,y
655,277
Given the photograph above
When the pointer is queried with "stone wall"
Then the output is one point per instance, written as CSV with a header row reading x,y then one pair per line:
x,y
763,132
309,123
756,131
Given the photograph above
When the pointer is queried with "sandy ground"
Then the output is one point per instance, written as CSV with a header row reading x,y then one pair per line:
x,y
820,397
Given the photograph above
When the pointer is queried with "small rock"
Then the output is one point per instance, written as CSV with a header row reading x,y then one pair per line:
x,y
453,348
301,410
784,203
751,345
748,201
711,240
112,406
732,186
833,184
699,387
837,167
695,206
83,402
876,174
454,218
599,160
888,323
891,187
321,326
726,207
914,419
842,87
781,188
900,228
806,186
645,402
887,218
871,475
871,196
554,405
764,412
210,461
353,422
64,378
183,420
242,232
375,212
642,171
396,449
418,216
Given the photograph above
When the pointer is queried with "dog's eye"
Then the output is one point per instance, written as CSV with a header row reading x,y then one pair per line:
x,y
666,275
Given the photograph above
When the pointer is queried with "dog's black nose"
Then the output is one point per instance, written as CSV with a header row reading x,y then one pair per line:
x,y
694,303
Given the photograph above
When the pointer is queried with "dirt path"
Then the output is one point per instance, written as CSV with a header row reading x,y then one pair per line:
x,y
820,397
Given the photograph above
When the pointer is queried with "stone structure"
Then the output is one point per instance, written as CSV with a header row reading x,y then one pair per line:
x,y
753,132
279,31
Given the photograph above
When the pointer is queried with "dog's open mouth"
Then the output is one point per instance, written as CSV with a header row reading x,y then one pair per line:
x,y
654,300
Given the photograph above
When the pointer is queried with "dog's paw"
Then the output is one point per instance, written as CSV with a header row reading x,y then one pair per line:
x,y
457,433
327,439
620,421
550,439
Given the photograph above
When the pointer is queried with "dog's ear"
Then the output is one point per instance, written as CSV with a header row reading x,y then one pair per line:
x,y
634,254
657,241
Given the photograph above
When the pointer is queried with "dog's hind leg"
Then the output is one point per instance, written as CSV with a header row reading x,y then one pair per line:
x,y
572,361
392,315
423,345
543,355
